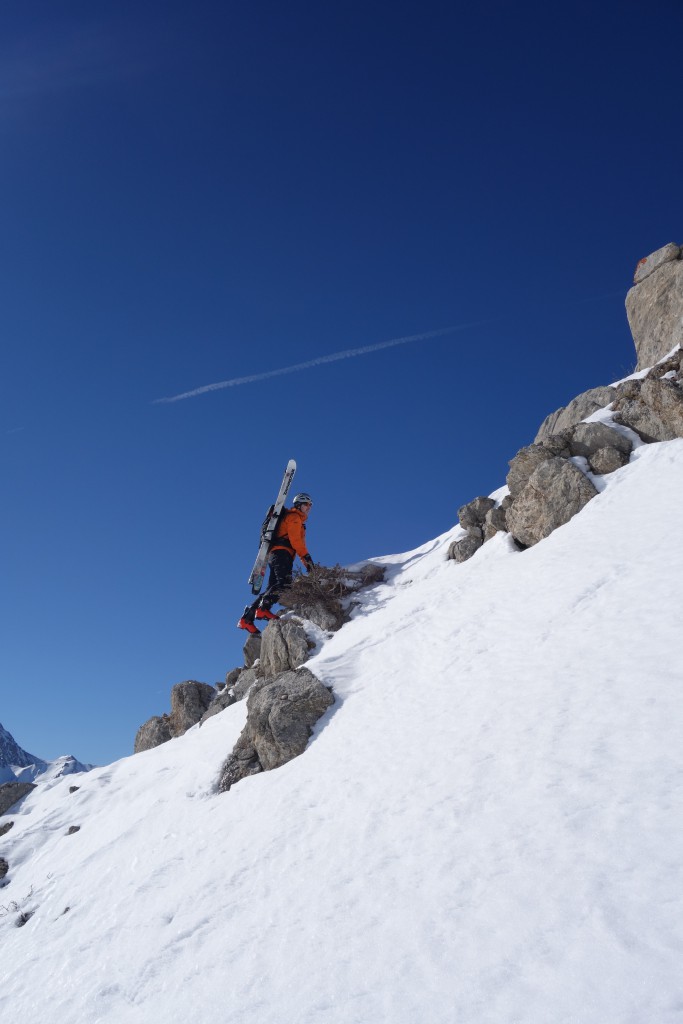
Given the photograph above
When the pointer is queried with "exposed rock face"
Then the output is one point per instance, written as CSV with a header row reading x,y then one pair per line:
x,y
555,492
249,677
152,733
12,792
5,827
655,260
496,521
474,513
252,649
221,701
606,460
578,409
589,438
4,867
461,550
525,463
280,717
654,409
654,306
189,701
284,646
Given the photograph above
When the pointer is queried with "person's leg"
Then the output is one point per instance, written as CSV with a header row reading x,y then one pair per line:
x,y
281,566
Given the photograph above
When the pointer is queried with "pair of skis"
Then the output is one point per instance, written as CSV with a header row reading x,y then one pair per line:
x,y
269,526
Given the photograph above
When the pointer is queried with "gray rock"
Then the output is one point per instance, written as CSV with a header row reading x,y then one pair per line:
x,y
189,701
249,678
461,550
252,650
578,409
556,491
5,827
671,365
73,829
232,676
474,513
558,444
284,646
280,717
221,701
4,867
655,260
588,438
12,792
525,462
654,308
495,522
606,460
656,414
152,733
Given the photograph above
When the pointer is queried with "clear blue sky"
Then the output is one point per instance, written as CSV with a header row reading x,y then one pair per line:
x,y
195,191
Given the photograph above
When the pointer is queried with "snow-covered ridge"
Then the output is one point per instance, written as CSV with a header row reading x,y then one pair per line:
x,y
17,765
484,828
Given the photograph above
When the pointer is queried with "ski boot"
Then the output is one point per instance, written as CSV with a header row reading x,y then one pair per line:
x,y
249,626
265,613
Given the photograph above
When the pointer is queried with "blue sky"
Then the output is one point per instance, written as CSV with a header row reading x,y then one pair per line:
x,y
195,192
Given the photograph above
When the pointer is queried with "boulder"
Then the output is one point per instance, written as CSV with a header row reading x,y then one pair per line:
x,y
588,438
461,550
280,717
525,462
4,867
558,444
284,647
5,827
555,492
654,307
152,733
495,522
189,701
474,513
656,411
578,409
12,792
606,460
232,676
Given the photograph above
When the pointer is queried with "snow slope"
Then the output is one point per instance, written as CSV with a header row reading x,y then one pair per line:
x,y
486,827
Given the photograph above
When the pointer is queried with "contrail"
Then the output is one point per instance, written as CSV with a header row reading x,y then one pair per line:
x,y
349,353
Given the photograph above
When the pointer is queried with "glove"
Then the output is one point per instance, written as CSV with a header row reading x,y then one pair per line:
x,y
308,562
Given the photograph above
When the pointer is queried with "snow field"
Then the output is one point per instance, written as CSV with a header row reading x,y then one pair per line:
x,y
484,828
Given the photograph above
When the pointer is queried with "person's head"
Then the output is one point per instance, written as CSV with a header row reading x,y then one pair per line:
x,y
303,502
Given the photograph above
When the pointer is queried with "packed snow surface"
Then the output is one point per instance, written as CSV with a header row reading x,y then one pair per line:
x,y
486,827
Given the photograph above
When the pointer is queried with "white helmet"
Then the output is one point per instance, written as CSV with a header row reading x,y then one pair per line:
x,y
302,499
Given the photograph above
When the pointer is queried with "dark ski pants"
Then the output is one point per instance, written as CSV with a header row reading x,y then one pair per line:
x,y
281,565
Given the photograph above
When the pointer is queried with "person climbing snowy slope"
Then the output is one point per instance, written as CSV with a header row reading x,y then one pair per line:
x,y
289,541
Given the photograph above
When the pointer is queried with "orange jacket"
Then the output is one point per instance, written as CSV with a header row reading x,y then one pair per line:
x,y
291,533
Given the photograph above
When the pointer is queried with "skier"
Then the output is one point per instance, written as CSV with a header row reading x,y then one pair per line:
x,y
289,540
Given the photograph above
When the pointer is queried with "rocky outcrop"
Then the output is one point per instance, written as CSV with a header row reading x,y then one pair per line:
x,y
12,792
152,733
324,596
472,518
284,646
653,408
280,717
225,699
555,492
578,409
654,305
189,702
